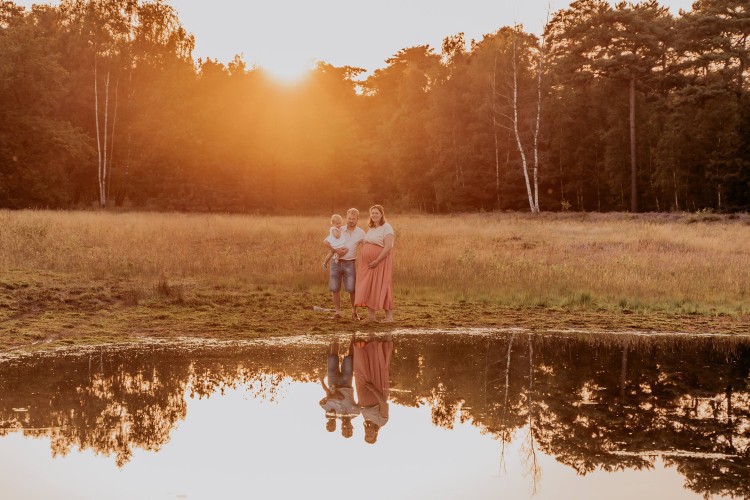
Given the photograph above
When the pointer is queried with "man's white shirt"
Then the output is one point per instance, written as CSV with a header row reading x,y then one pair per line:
x,y
352,242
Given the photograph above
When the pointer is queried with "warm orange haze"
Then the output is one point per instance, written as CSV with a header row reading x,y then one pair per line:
x,y
160,105
403,249
288,37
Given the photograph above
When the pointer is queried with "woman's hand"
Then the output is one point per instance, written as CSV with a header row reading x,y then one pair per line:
x,y
376,392
373,264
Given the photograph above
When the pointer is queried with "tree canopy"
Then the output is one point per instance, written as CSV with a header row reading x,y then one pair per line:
x,y
102,103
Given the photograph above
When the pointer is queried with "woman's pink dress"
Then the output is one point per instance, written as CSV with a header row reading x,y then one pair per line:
x,y
374,287
372,363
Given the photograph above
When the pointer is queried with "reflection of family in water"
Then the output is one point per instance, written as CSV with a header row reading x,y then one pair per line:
x,y
368,362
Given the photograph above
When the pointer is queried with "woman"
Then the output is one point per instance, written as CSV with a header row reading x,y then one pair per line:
x,y
372,366
374,288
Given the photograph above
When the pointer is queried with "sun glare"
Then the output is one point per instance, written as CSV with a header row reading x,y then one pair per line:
x,y
288,69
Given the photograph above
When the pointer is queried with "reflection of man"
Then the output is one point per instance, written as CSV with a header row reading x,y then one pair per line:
x,y
346,267
339,399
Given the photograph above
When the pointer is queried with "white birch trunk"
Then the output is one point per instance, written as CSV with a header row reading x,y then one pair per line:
x,y
524,163
504,432
536,127
98,138
532,464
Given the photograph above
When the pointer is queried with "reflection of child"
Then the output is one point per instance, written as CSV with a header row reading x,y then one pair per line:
x,y
339,400
336,238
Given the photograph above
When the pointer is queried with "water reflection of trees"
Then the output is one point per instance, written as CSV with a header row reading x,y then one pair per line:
x,y
115,402
606,403
593,403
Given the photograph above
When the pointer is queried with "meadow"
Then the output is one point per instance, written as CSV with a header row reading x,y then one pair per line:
x,y
68,277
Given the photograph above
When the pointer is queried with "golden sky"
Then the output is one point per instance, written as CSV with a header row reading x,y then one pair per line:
x,y
287,36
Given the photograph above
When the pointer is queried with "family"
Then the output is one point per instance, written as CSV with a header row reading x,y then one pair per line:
x,y
368,362
367,279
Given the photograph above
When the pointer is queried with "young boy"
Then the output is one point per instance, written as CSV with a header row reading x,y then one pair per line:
x,y
336,238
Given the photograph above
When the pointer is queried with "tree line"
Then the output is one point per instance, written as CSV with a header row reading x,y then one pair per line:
x,y
614,107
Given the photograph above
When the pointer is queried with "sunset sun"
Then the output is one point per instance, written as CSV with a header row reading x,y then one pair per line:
x,y
287,68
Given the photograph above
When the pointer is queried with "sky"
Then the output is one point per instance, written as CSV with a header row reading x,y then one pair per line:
x,y
232,445
286,37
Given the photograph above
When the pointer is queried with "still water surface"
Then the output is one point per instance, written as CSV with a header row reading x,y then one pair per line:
x,y
511,415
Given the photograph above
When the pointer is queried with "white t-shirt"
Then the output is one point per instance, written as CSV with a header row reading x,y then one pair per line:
x,y
352,242
336,242
343,407
376,235
372,414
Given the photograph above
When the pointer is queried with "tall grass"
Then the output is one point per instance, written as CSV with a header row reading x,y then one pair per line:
x,y
614,261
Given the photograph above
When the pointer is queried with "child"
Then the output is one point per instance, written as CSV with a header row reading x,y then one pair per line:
x,y
336,238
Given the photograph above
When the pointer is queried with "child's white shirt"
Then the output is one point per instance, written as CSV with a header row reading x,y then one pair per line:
x,y
336,242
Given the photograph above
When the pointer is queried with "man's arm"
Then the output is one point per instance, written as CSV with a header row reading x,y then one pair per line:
x,y
340,251
325,388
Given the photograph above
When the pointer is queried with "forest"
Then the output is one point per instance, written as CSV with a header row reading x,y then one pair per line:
x,y
625,107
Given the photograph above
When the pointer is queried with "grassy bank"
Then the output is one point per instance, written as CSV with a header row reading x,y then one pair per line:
x,y
90,276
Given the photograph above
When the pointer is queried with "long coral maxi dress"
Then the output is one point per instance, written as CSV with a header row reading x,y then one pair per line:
x,y
372,363
374,287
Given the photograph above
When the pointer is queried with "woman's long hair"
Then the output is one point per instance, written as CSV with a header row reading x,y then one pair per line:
x,y
380,209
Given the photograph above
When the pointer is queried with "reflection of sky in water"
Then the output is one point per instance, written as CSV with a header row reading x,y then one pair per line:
x,y
668,416
237,446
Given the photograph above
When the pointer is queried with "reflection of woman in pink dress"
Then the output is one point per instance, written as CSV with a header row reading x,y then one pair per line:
x,y
372,366
374,287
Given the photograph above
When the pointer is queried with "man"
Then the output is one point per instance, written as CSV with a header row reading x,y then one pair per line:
x,y
346,267
339,400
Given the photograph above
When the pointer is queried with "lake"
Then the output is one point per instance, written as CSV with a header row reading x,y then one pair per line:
x,y
472,414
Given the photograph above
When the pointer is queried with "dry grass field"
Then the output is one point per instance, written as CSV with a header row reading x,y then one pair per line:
x,y
97,276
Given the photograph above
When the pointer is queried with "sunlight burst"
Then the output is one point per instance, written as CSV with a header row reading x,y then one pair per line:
x,y
288,68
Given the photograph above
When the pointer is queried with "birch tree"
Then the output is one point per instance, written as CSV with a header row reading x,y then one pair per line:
x,y
111,40
532,192
107,24
528,447
507,61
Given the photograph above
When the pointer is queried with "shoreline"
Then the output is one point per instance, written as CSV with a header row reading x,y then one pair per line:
x,y
280,315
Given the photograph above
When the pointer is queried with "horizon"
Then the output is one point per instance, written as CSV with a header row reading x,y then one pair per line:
x,y
287,46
